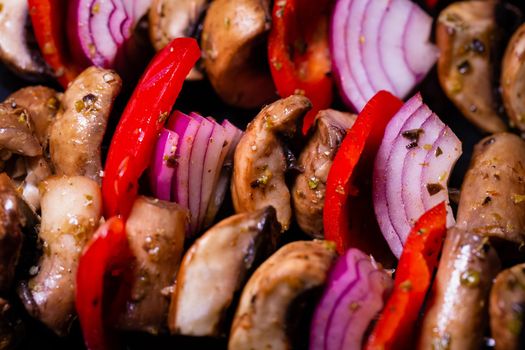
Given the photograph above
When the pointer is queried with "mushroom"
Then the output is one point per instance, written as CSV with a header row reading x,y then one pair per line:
x,y
36,170
71,209
297,270
42,104
16,131
11,326
76,135
513,79
260,163
18,49
220,261
155,231
233,43
465,34
507,309
316,159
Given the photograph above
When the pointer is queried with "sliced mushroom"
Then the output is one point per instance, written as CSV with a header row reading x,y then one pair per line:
x,y
10,232
292,272
155,231
316,159
465,34
11,327
492,201
259,161
507,309
71,209
18,49
513,79
457,310
76,135
42,104
233,43
216,267
16,131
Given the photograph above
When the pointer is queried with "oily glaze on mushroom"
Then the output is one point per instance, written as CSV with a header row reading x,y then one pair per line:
x,y
17,131
76,135
260,163
316,160
71,209
234,46
513,79
156,231
465,34
261,318
216,266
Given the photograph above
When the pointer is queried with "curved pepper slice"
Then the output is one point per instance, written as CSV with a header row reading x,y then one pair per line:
x,y
138,129
298,52
47,17
395,328
348,213
106,260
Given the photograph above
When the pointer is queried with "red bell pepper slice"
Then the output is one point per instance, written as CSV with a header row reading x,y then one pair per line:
x,y
348,211
298,52
138,129
47,17
106,260
395,328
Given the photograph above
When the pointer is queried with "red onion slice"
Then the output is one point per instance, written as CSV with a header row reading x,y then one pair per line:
x,y
355,293
162,167
411,170
379,45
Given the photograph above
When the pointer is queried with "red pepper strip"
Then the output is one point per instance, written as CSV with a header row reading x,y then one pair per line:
x,y
395,328
348,211
107,259
138,129
47,17
298,52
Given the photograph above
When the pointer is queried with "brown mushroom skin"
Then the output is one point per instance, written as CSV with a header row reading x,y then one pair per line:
x,y
259,162
456,313
155,231
513,78
233,42
507,309
77,132
10,232
316,159
464,35
220,261
17,131
260,320
42,103
71,210
492,201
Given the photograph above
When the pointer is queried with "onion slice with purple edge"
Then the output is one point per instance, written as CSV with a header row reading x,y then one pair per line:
x,y
163,164
356,292
379,45
411,170
99,31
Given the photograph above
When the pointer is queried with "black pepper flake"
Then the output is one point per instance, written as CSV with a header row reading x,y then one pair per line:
x,y
411,145
434,188
412,135
477,46
89,99
438,152
464,67
171,162
487,200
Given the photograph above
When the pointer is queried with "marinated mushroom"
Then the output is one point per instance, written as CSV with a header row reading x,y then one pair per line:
x,y
296,270
492,201
220,261
316,159
71,209
507,309
16,131
18,49
77,132
156,231
35,170
513,79
42,103
260,163
465,34
456,316
233,44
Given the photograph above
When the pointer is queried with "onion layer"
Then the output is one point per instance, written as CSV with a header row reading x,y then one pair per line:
x,y
163,164
379,45
411,170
